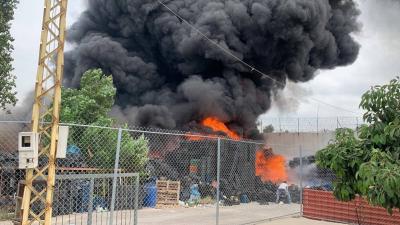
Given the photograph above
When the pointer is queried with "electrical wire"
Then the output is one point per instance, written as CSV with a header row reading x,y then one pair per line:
x,y
250,67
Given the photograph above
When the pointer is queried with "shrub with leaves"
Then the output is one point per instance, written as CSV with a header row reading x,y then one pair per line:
x,y
100,146
90,104
7,79
369,165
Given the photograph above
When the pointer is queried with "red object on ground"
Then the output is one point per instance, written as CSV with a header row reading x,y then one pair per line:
x,y
322,205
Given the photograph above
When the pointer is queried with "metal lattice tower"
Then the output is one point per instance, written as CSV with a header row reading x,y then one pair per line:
x,y
37,200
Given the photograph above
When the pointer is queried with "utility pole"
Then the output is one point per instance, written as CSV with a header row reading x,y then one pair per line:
x,y
45,115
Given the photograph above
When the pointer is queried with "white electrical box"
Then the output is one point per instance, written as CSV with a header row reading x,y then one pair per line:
x,y
62,142
28,145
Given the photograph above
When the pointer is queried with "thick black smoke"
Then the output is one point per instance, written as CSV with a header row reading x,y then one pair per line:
x,y
168,76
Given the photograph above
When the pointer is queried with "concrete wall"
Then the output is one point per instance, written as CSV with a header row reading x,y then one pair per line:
x,y
288,144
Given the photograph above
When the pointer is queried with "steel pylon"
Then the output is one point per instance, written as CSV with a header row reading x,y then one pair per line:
x,y
36,206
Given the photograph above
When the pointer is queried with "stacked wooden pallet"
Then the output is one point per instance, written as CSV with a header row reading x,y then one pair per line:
x,y
168,193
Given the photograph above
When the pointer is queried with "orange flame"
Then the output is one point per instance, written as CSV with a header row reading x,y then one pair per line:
x,y
194,137
216,125
271,168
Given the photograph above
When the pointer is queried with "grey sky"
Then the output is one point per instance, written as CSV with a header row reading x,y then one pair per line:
x,y
377,63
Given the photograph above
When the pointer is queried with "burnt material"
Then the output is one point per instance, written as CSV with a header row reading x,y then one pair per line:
x,y
306,160
237,165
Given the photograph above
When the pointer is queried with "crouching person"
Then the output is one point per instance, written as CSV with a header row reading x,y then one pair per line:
x,y
283,189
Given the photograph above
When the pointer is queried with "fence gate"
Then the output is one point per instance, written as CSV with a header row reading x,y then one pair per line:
x,y
96,199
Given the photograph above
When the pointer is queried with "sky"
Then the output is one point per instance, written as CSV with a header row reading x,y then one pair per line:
x,y
377,63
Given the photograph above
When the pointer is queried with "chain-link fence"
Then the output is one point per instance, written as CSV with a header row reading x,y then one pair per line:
x,y
149,176
311,125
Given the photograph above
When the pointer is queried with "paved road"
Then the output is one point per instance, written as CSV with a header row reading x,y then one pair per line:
x,y
284,221
231,215
244,214
298,221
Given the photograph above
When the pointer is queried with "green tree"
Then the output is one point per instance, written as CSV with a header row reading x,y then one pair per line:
x,y
90,104
268,129
369,165
7,79
100,145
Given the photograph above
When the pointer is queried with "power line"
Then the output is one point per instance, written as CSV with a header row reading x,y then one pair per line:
x,y
250,67
332,106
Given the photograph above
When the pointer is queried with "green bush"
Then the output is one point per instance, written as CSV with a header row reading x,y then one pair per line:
x,y
369,165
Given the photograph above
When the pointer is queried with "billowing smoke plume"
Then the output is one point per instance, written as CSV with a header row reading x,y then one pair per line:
x,y
288,100
168,76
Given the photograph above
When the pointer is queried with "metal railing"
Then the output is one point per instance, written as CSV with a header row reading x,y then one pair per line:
x,y
90,187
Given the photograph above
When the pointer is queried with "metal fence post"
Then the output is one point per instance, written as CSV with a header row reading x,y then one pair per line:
x,y
136,205
357,125
280,126
301,179
298,126
218,179
114,185
90,207
337,123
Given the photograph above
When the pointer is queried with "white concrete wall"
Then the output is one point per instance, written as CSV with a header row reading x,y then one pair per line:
x,y
288,144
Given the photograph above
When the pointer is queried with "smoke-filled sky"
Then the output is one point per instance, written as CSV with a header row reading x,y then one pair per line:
x,y
169,76
376,62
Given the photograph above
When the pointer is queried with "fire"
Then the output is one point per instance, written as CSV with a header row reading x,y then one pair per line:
x,y
270,167
216,125
193,137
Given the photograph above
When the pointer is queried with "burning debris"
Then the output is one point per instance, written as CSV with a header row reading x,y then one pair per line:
x,y
217,126
213,125
270,167
246,170
307,160
168,76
